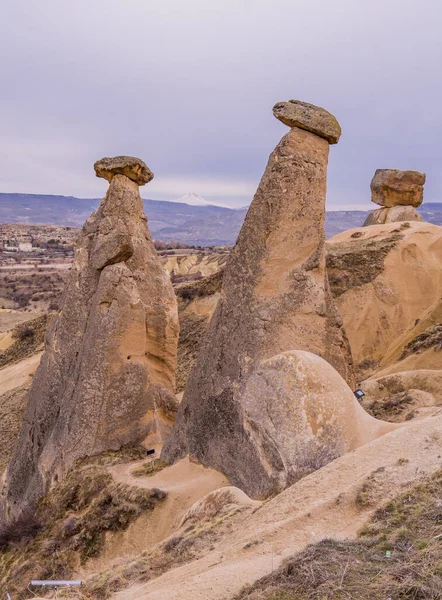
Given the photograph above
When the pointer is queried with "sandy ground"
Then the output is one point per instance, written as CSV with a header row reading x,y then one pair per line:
x,y
319,506
6,340
184,482
19,373
9,318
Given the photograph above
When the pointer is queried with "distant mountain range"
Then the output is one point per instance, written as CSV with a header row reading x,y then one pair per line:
x,y
199,225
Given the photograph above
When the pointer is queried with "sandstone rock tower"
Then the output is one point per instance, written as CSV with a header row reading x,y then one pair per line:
x,y
275,298
107,375
398,192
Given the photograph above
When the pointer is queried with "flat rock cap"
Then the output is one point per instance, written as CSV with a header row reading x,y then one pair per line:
x,y
315,119
130,166
392,187
395,177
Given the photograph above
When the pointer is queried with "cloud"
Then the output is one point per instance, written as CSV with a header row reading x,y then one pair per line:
x,y
189,87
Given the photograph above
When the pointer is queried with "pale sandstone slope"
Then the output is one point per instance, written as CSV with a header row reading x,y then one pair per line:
x,y
320,505
384,278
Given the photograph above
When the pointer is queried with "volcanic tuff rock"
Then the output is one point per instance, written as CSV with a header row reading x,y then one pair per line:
x,y
107,376
295,113
395,214
275,297
390,187
384,280
130,166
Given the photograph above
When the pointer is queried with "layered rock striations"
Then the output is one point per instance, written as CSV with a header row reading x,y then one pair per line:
x,y
275,300
398,193
108,372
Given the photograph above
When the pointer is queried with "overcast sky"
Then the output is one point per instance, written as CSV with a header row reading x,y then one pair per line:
x,y
189,85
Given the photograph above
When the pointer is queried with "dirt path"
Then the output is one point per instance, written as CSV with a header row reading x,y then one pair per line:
x,y
319,506
185,483
19,373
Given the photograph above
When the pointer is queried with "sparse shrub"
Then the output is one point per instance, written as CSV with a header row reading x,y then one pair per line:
x,y
172,543
21,529
25,333
406,527
150,468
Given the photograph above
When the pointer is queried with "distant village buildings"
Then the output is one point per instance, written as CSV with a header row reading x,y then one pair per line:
x,y
18,244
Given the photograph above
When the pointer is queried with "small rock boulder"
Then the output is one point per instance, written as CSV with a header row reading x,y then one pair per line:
x,y
395,214
226,500
315,119
391,187
130,166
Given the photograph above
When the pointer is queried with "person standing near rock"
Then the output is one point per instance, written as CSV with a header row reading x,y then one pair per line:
x,y
275,298
107,376
399,193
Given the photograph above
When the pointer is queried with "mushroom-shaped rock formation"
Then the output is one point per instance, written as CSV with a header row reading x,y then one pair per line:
x,y
275,297
130,166
108,372
398,192
315,119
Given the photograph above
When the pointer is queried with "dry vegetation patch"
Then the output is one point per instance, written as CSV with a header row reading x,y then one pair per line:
x,y
206,286
150,468
28,339
191,542
392,407
351,264
69,526
430,338
12,405
397,556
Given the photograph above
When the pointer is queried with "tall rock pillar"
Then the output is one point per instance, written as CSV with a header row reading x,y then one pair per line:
x,y
275,298
108,372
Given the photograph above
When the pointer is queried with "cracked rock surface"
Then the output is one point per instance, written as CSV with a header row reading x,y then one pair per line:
x,y
275,298
107,376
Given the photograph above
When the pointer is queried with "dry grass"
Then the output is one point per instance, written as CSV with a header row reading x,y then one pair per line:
x,y
194,541
206,286
150,468
390,408
69,527
12,405
350,264
398,556
430,338
28,339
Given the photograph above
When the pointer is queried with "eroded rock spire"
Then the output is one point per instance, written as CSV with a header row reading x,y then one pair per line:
x,y
275,298
107,375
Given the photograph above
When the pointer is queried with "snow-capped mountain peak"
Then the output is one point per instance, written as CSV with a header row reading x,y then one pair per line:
x,y
193,199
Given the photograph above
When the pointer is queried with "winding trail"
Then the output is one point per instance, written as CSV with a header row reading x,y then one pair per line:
x,y
318,506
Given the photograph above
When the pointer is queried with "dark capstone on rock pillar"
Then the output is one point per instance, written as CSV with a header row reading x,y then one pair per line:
x,y
275,297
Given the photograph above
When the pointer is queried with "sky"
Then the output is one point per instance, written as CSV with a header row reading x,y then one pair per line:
x,y
189,86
